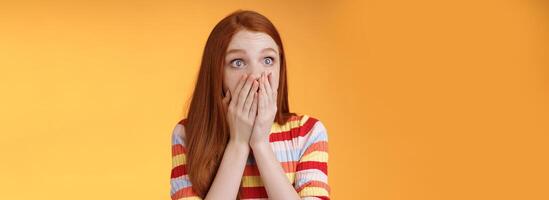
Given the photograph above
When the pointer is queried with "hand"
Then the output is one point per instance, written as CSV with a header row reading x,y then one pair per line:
x,y
242,109
266,111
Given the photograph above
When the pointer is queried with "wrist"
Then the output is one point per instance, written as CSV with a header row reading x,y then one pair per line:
x,y
241,147
259,145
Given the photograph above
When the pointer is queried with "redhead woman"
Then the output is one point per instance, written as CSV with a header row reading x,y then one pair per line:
x,y
239,139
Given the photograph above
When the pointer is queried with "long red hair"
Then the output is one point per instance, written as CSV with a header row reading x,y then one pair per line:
x,y
206,130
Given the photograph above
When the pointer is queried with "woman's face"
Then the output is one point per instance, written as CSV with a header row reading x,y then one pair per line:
x,y
250,53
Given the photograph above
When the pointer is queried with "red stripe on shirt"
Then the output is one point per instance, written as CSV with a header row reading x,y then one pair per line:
x,y
253,192
293,132
178,171
178,149
322,166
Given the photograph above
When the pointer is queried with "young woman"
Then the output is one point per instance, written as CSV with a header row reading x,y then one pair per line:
x,y
240,140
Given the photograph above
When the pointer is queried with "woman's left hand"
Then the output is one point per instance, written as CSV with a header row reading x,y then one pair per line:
x,y
266,111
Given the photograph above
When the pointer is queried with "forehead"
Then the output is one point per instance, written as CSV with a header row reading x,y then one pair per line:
x,y
251,41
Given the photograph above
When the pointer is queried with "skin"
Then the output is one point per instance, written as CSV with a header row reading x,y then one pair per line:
x,y
250,84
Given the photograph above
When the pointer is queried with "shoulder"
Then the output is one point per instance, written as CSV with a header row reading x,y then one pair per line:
x,y
178,132
300,127
313,136
303,122
311,125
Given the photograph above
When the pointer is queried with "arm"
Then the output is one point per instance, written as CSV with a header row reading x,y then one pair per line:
x,y
181,186
273,176
229,175
311,177
227,180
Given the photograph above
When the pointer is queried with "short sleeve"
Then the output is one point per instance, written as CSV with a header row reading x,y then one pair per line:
x,y
311,180
181,187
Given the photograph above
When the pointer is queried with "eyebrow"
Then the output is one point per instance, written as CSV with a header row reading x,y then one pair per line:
x,y
243,51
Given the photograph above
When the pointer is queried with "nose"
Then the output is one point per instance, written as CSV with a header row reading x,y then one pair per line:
x,y
256,71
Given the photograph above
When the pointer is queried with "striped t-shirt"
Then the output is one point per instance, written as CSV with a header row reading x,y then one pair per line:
x,y
300,145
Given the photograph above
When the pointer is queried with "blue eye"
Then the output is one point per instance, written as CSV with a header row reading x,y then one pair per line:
x,y
268,60
238,63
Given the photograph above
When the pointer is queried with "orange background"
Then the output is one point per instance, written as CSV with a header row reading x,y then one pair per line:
x,y
421,99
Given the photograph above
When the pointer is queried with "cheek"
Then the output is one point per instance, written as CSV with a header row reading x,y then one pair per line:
x,y
277,78
230,81
276,81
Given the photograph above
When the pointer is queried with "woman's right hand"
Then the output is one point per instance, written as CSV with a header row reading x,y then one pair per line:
x,y
242,109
